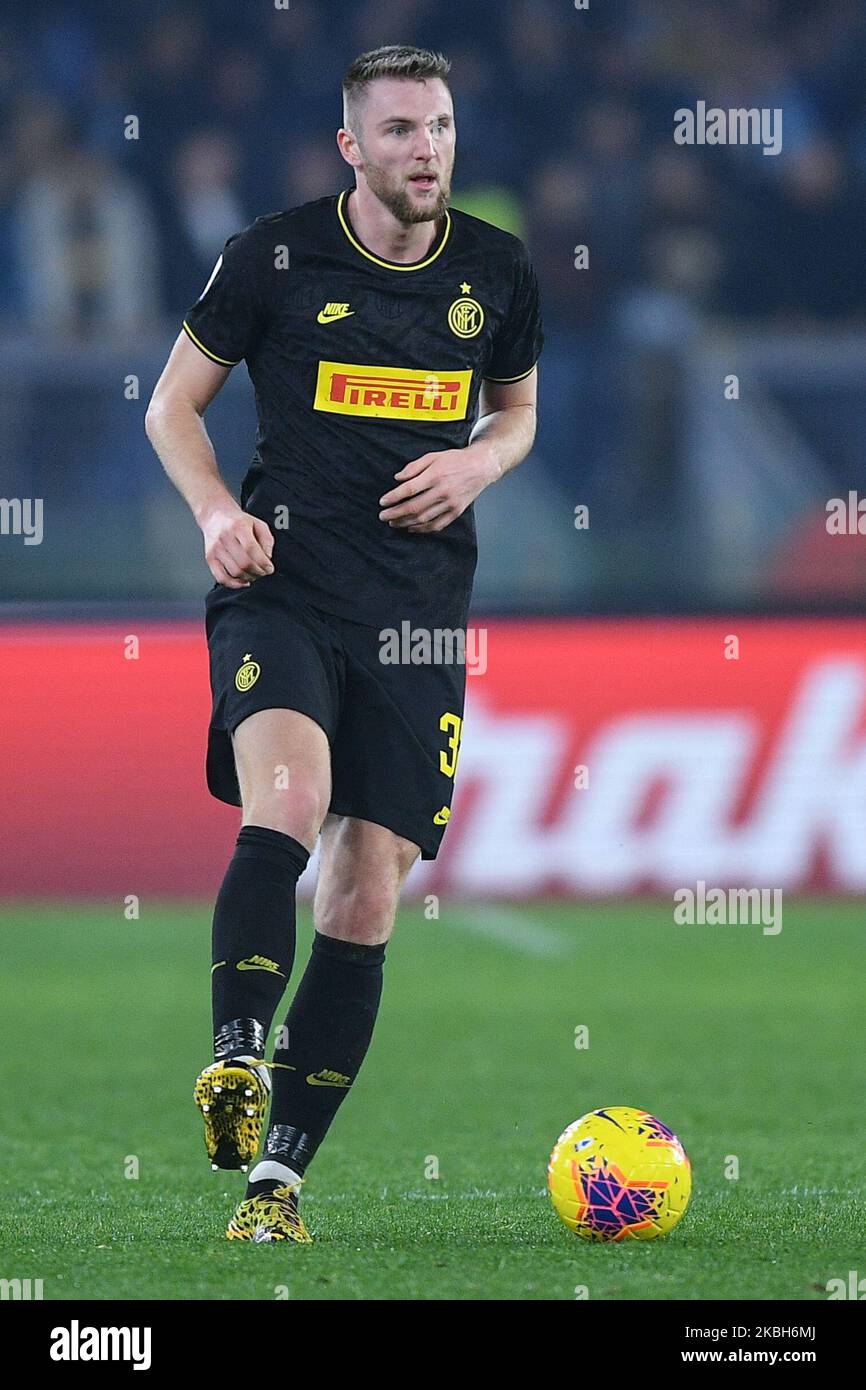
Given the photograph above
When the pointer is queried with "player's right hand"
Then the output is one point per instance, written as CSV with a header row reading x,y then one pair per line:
x,y
238,547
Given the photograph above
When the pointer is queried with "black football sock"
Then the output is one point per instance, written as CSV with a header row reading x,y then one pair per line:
x,y
325,1039
253,939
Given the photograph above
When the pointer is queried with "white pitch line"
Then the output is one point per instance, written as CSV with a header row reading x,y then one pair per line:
x,y
511,927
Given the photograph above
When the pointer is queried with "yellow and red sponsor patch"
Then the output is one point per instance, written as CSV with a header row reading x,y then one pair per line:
x,y
392,393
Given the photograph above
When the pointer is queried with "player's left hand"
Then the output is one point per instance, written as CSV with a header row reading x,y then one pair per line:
x,y
437,488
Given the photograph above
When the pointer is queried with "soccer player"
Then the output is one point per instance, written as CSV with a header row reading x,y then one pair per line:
x,y
392,343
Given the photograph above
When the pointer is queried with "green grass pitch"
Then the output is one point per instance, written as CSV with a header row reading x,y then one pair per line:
x,y
745,1045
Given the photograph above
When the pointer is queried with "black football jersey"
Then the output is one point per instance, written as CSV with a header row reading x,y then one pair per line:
x,y
360,365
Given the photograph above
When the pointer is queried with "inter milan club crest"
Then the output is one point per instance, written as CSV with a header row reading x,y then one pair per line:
x,y
466,316
247,674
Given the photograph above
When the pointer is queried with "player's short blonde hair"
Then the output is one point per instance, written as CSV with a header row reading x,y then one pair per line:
x,y
393,60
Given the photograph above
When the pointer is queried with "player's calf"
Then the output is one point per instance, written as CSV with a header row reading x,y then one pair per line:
x,y
253,953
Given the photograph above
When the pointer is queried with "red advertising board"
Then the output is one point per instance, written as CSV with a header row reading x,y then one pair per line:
x,y
599,757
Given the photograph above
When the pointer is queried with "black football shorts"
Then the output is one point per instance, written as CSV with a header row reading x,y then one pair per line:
x,y
393,727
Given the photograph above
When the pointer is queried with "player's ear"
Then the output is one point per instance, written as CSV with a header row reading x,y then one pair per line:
x,y
347,145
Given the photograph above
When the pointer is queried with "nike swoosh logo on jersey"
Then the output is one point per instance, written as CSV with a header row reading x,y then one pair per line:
x,y
332,312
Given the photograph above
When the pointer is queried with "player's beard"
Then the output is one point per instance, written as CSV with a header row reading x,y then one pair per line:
x,y
398,200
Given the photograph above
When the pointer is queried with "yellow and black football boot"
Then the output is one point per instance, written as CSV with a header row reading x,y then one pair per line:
x,y
233,1096
269,1217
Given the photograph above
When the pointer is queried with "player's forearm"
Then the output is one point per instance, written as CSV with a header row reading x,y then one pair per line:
x,y
177,433
504,437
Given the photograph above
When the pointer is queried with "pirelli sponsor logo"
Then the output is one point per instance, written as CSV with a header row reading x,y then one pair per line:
x,y
392,393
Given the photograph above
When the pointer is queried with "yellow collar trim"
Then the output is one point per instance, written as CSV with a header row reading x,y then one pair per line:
x,y
389,265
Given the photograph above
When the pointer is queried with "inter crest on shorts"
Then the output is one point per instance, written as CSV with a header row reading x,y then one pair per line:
x,y
248,673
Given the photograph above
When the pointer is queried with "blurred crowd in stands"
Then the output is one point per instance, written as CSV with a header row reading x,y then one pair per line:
x,y
135,138
565,135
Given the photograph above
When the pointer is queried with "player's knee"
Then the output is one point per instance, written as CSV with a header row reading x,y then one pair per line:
x,y
297,809
365,913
